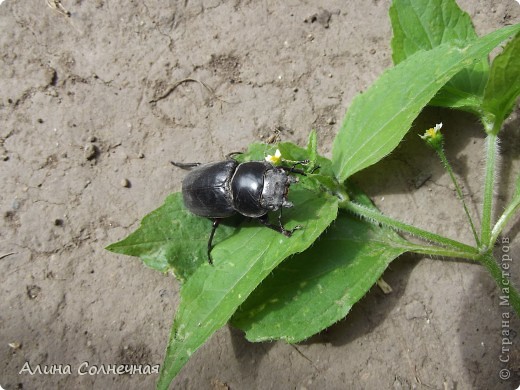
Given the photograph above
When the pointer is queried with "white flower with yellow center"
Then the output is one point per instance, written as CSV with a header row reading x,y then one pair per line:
x,y
274,159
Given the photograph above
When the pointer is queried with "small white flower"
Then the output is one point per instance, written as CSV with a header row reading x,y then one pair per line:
x,y
274,159
433,136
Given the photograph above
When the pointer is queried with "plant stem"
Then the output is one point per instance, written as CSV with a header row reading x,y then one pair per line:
x,y
375,215
509,212
487,208
509,296
447,165
439,251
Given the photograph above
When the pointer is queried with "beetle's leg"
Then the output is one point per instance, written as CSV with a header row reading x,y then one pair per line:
x,y
293,168
297,227
301,162
264,219
315,169
185,165
216,222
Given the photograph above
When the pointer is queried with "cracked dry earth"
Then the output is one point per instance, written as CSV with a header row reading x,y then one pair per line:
x,y
97,97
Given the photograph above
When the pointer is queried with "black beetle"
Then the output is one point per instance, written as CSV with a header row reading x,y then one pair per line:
x,y
222,189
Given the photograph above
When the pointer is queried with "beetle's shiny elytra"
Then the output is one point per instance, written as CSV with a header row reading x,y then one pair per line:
x,y
222,189
205,190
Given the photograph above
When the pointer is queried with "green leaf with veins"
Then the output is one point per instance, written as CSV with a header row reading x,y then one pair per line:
x,y
378,119
213,293
503,87
425,24
314,289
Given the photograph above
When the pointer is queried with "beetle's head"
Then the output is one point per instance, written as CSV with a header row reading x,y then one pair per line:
x,y
276,188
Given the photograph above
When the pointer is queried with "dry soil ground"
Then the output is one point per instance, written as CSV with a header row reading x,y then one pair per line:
x,y
86,137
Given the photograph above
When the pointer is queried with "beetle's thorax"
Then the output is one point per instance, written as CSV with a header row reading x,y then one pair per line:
x,y
276,187
258,187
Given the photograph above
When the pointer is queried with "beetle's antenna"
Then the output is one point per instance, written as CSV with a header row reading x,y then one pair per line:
x,y
230,156
293,169
301,162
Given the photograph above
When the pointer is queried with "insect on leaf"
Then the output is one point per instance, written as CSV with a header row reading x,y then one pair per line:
x,y
213,293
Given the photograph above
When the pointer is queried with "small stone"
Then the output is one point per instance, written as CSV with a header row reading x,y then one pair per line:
x,y
92,138
5,157
90,152
15,345
271,139
372,51
58,222
322,18
39,120
33,291
140,155
331,121
15,205
125,183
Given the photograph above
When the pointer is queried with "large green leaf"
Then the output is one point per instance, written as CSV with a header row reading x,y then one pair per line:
x,y
313,290
425,24
378,119
213,293
503,87
171,238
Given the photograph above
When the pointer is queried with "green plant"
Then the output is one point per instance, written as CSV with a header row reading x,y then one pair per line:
x,y
272,287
